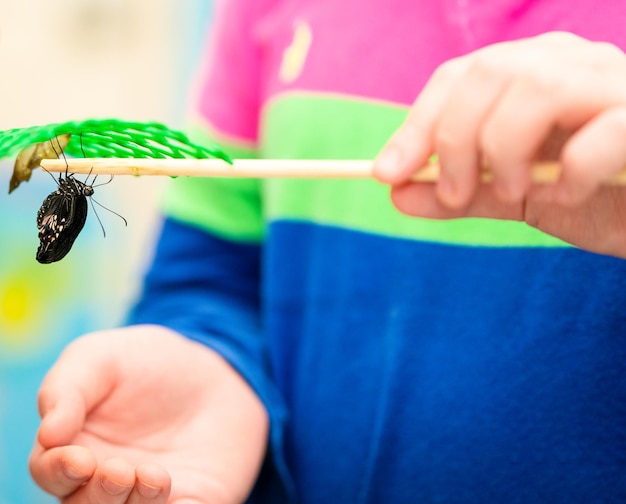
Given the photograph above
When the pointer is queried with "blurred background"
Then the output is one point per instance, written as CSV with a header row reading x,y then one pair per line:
x,y
68,60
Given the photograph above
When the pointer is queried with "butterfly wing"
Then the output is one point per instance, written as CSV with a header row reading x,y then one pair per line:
x,y
59,220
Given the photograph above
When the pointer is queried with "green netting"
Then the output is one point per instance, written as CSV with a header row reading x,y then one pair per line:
x,y
110,138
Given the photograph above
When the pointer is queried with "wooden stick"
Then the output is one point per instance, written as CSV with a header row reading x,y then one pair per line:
x,y
542,173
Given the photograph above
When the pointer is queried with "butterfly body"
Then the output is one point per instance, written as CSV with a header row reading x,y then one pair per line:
x,y
61,218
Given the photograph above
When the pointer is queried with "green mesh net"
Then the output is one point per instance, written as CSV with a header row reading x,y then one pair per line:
x,y
110,138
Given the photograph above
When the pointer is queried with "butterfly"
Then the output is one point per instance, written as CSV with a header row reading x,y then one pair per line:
x,y
62,216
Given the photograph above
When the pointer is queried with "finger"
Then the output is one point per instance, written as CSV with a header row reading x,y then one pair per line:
x,y
534,106
63,420
63,470
152,486
412,144
78,381
111,483
592,155
421,200
571,224
458,130
514,132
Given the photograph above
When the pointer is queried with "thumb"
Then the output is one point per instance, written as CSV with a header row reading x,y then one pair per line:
x,y
81,378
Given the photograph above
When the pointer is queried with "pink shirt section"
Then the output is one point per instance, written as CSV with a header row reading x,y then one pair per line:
x,y
374,49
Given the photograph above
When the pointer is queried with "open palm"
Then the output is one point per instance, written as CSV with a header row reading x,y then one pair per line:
x,y
143,415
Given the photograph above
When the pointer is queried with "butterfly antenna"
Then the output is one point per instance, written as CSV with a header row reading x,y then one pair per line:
x,y
57,155
103,183
80,138
55,180
62,153
82,149
98,217
109,210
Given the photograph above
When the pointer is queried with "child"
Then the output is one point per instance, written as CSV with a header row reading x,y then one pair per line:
x,y
310,341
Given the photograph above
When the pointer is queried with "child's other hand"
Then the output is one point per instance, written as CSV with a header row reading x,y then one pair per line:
x,y
143,415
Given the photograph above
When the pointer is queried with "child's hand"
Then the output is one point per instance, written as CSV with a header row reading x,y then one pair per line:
x,y
142,415
555,96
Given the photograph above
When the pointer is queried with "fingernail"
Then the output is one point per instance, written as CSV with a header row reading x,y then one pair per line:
x,y
387,163
149,491
72,473
113,488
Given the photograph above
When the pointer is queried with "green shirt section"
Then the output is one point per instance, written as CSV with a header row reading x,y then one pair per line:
x,y
319,126
228,207
357,129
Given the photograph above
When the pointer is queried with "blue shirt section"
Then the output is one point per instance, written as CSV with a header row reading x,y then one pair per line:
x,y
402,371
206,288
429,373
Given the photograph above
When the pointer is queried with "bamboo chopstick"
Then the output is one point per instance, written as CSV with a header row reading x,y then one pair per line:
x,y
542,172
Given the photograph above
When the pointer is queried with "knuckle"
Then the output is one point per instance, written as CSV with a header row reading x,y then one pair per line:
x,y
607,51
546,83
489,63
559,37
490,145
446,139
448,70
615,121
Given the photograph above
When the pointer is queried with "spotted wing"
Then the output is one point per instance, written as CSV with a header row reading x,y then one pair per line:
x,y
59,220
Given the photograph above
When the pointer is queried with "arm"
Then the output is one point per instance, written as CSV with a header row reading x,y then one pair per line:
x,y
179,404
140,410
